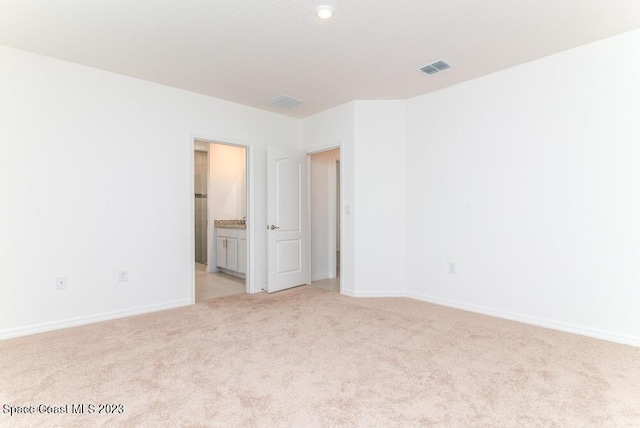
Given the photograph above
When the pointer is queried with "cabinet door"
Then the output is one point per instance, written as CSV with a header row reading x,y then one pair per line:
x,y
221,253
232,254
242,255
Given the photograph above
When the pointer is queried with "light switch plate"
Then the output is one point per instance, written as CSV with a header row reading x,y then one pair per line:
x,y
61,283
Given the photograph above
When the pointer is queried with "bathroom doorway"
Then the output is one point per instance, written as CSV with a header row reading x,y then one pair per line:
x,y
221,206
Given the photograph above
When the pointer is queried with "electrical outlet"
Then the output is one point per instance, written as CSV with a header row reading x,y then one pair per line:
x,y
452,268
123,276
61,283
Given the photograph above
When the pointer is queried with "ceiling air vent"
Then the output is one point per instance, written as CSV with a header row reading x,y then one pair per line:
x,y
435,67
285,101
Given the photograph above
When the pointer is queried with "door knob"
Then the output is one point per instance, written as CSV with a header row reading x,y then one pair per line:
x,y
273,227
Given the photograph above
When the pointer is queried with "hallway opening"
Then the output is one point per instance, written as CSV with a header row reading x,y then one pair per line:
x,y
325,208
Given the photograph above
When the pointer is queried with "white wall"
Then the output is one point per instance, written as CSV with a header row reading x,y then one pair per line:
x,y
529,180
323,214
372,137
380,177
96,175
226,184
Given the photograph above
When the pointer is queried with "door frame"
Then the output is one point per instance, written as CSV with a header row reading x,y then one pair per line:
x,y
334,243
249,198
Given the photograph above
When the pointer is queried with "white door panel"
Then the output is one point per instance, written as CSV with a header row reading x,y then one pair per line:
x,y
288,182
287,219
290,254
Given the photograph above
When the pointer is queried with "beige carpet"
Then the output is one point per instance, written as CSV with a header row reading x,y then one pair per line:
x,y
308,357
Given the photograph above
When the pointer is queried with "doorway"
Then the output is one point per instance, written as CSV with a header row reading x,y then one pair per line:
x,y
220,215
325,208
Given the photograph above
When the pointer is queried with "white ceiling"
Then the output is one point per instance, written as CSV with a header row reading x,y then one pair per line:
x,y
249,51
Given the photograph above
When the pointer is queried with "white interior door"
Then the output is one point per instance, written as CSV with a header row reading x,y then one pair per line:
x,y
287,224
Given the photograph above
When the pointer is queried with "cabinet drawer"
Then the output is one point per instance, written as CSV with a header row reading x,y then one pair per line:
x,y
242,233
227,233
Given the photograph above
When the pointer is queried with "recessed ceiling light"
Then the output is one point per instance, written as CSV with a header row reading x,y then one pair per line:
x,y
324,12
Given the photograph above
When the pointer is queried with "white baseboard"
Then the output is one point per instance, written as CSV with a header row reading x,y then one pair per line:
x,y
232,273
527,319
349,293
393,293
74,322
321,276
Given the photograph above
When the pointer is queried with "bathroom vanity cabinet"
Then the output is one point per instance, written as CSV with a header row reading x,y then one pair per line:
x,y
231,250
